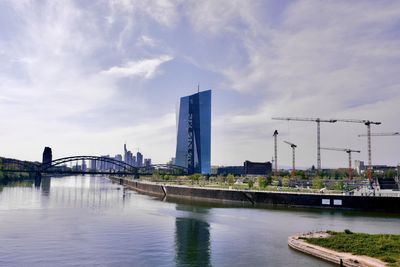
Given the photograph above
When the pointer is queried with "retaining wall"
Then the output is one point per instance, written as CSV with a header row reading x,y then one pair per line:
x,y
367,203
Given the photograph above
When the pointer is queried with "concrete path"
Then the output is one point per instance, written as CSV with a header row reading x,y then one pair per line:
x,y
346,259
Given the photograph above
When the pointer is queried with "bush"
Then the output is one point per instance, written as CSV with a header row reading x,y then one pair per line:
x,y
262,183
285,181
230,179
317,183
250,183
347,231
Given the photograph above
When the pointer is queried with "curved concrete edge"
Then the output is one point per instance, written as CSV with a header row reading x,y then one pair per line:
x,y
346,259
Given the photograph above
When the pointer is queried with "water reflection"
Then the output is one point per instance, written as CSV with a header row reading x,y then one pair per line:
x,y
45,185
192,239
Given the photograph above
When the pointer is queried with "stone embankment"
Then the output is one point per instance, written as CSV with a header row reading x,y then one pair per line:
x,y
341,258
256,198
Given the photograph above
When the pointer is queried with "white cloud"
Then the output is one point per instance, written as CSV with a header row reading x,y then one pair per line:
x,y
145,68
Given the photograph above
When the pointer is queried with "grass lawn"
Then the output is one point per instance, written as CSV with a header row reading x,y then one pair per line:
x,y
381,246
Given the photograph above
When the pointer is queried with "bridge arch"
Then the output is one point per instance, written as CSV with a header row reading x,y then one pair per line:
x,y
57,162
125,167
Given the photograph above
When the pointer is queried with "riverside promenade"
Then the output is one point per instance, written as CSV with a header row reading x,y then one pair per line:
x,y
340,258
260,198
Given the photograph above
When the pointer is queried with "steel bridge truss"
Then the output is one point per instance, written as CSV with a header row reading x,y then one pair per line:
x,y
122,168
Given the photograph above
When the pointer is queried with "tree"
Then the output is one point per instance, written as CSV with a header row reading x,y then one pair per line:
x,y
285,181
339,185
250,183
195,177
301,173
230,179
261,182
317,183
220,179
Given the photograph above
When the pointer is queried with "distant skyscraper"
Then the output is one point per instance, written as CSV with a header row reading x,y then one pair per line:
x,y
84,166
47,156
125,154
193,149
93,165
139,159
147,162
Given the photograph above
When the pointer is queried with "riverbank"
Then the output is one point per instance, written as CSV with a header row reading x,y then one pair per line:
x,y
260,198
350,249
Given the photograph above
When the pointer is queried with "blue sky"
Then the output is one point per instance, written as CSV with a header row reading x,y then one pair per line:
x,y
85,76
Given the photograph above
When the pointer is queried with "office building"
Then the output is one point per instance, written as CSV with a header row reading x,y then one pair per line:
x,y
257,168
193,149
147,162
47,156
93,165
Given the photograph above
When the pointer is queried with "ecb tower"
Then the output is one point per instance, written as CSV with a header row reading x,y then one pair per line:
x,y
193,148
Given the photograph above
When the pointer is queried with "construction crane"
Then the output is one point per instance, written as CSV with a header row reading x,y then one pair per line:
x,y
318,121
369,143
368,124
275,135
381,134
293,146
348,151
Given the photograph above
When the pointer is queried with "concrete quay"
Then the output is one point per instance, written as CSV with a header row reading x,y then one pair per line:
x,y
340,258
264,198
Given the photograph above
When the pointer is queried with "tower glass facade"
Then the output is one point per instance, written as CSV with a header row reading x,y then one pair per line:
x,y
193,149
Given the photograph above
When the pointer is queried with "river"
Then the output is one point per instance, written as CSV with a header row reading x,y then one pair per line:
x,y
87,220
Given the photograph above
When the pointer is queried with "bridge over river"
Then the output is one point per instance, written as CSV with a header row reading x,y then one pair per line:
x,y
59,166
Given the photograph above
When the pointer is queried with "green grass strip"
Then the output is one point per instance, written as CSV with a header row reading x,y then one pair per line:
x,y
381,246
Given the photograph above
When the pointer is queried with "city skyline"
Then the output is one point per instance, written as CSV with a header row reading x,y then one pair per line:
x,y
84,78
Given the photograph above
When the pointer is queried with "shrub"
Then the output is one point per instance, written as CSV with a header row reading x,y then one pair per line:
x,y
230,179
347,231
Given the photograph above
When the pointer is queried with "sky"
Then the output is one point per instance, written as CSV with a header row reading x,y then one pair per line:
x,y
84,77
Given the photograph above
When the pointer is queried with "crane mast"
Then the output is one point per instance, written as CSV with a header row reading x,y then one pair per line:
x,y
293,146
368,124
318,121
276,151
348,151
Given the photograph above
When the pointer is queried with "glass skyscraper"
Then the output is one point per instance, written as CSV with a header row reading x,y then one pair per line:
x,y
193,149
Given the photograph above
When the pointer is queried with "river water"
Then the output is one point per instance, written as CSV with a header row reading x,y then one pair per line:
x,y
87,220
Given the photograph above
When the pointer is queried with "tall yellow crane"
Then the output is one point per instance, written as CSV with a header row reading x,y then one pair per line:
x,y
348,151
318,121
368,123
293,146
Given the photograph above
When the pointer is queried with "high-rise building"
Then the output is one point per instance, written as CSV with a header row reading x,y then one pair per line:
x,y
139,159
47,156
359,166
147,162
93,165
193,149
84,166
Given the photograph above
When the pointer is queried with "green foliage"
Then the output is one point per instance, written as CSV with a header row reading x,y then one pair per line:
x,y
317,183
339,185
221,179
382,246
285,181
230,179
195,177
301,174
347,231
262,183
250,183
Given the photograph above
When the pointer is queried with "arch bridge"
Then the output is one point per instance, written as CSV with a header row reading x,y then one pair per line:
x,y
107,166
